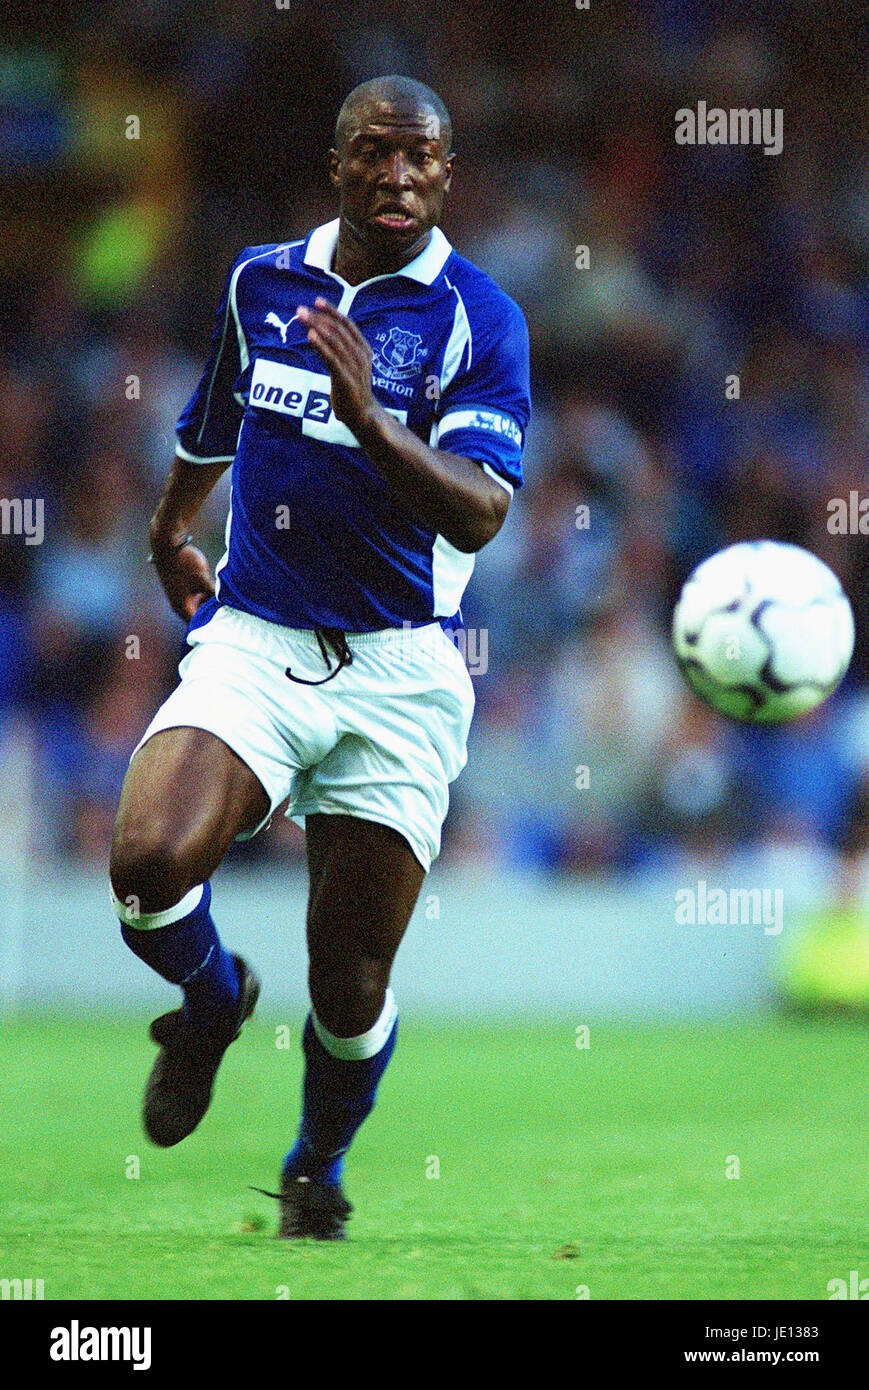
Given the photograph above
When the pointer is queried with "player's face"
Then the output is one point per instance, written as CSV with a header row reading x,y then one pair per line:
x,y
392,174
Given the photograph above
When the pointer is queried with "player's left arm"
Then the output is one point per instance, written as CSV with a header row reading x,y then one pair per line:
x,y
449,493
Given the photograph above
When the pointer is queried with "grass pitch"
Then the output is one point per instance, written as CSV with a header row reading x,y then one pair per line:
x,y
560,1168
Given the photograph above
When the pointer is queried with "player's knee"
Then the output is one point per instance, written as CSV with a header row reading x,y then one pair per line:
x,y
347,994
156,869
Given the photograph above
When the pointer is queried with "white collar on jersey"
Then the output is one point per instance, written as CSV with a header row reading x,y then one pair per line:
x,y
426,267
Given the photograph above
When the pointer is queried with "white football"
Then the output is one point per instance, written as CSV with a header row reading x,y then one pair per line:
x,y
763,632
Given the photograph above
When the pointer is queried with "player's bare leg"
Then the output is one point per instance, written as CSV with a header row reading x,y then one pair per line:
x,y
185,798
365,881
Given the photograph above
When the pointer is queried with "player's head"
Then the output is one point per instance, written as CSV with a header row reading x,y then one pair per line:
x,y
392,162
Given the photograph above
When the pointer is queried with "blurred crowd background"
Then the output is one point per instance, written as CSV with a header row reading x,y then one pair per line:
x,y
703,262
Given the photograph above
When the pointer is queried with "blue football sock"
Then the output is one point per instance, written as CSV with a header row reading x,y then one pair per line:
x,y
341,1080
186,950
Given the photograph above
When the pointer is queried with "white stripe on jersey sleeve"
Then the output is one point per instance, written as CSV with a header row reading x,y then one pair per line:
x,y
508,487
244,356
243,353
459,339
197,458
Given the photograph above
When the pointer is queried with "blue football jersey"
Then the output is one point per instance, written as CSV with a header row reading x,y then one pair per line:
x,y
315,536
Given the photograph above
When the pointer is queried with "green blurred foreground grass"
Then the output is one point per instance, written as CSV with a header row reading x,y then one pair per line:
x,y
560,1169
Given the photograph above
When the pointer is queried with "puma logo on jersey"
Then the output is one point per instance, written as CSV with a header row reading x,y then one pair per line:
x,y
273,321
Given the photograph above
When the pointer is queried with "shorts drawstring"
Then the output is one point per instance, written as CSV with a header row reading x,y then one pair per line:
x,y
338,641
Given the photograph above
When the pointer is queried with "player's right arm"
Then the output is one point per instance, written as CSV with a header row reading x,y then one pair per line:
x,y
182,569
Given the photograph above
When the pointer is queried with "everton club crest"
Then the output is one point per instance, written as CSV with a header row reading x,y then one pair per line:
x,y
399,354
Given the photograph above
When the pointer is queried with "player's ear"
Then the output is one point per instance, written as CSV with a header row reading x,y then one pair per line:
x,y
334,167
448,165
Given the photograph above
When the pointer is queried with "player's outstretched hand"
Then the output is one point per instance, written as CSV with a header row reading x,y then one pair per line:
x,y
186,578
348,357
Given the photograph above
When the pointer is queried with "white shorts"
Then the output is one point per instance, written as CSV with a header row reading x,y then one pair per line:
x,y
382,740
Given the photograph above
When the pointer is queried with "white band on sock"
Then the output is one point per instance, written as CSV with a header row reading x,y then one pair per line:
x,y
366,1044
147,921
